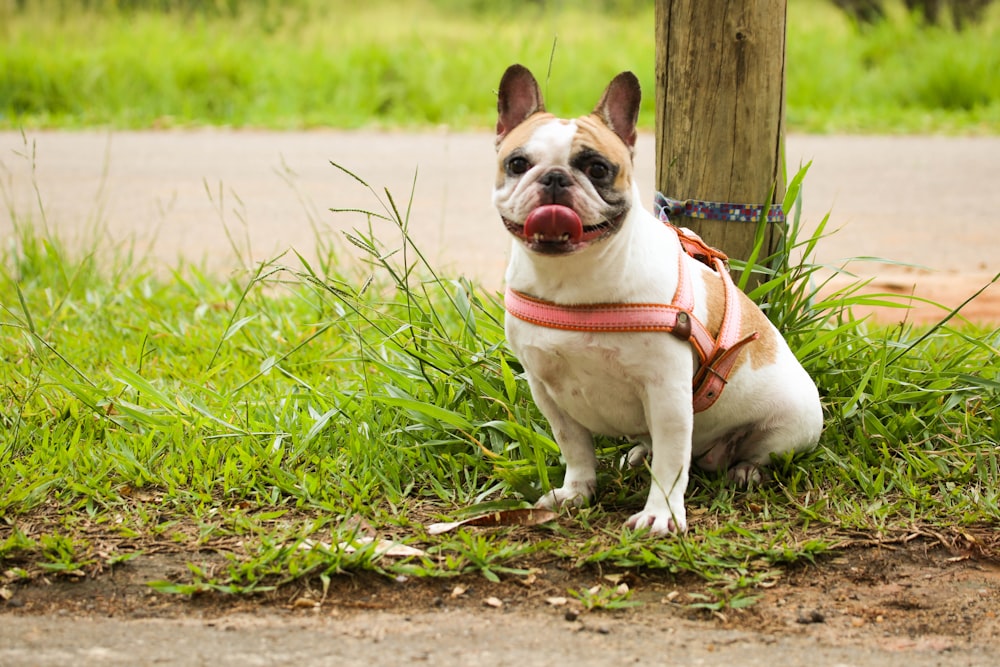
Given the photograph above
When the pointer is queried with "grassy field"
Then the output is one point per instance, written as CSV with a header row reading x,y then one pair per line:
x,y
437,62
281,416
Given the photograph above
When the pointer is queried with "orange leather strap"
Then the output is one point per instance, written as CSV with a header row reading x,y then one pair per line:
x,y
717,354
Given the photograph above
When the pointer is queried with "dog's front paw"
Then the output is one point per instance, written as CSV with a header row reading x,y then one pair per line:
x,y
660,521
576,494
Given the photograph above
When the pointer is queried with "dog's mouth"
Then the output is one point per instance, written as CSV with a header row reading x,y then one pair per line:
x,y
554,229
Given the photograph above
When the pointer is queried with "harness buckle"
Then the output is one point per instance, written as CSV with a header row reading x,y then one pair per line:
x,y
682,329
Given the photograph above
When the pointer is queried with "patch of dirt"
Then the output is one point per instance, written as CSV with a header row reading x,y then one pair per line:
x,y
911,596
917,595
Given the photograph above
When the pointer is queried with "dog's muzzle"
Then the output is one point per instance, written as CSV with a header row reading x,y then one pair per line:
x,y
553,229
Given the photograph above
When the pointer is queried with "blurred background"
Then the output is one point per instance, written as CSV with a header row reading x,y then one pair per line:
x,y
859,66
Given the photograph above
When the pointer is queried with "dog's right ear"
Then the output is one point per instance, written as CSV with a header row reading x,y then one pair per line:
x,y
518,98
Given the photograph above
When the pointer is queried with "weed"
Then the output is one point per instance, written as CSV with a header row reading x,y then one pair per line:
x,y
605,597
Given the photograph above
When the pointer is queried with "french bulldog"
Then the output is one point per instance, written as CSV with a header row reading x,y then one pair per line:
x,y
565,189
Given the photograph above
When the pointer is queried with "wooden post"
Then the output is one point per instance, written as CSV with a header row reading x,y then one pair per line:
x,y
720,106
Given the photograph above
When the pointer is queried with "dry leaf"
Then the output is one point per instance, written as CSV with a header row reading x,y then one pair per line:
x,y
496,603
305,603
458,591
382,547
528,581
515,517
308,545
557,601
359,524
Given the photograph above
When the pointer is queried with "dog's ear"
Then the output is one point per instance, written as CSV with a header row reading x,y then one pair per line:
x,y
619,106
518,98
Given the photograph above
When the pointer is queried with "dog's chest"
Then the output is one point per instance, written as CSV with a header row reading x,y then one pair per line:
x,y
597,379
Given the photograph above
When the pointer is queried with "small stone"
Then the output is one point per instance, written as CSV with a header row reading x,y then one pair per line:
x,y
813,616
571,615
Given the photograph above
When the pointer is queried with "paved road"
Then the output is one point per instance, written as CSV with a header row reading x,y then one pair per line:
x,y
931,201
459,638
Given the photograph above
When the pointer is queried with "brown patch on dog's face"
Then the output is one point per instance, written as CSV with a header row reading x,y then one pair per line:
x,y
515,139
592,134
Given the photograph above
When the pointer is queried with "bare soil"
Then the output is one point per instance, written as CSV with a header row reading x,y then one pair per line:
x,y
926,599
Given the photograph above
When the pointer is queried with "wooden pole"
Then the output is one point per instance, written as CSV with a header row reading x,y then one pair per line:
x,y
720,106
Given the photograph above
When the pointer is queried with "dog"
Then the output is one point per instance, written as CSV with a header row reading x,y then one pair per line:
x,y
565,189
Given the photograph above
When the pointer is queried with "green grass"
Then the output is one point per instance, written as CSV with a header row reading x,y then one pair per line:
x,y
437,62
297,402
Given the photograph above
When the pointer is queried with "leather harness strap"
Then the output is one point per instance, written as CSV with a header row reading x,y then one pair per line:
x,y
717,354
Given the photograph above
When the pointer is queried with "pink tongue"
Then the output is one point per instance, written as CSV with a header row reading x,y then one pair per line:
x,y
552,222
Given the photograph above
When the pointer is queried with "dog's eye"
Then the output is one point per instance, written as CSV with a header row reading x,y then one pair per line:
x,y
598,171
518,165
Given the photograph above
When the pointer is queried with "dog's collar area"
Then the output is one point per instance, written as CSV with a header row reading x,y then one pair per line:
x,y
717,354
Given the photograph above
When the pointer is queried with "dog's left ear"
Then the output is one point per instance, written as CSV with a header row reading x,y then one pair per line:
x,y
619,106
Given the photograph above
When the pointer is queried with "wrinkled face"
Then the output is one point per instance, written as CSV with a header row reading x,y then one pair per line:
x,y
562,185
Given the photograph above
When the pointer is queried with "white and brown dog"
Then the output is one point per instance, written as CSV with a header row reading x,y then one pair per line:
x,y
566,191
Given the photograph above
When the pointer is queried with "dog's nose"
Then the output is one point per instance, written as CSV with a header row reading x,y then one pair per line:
x,y
555,181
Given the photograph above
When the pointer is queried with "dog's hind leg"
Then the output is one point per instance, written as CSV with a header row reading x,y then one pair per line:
x,y
744,453
639,454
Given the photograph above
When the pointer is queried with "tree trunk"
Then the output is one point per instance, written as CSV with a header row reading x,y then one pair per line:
x,y
720,106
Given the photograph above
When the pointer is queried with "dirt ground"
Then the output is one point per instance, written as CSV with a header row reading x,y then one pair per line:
x,y
924,600
213,196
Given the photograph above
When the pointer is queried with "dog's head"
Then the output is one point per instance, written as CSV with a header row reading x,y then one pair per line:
x,y
563,184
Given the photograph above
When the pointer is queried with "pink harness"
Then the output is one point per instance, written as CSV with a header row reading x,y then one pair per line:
x,y
717,354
